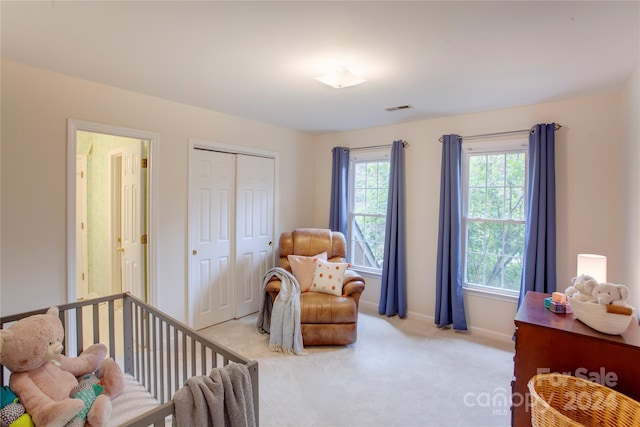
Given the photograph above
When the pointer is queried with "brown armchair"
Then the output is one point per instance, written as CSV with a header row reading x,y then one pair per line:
x,y
325,319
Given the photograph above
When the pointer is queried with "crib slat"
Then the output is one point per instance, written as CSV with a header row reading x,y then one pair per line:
x,y
112,330
160,367
128,336
167,332
184,357
193,356
96,323
147,346
79,325
203,359
138,341
153,354
175,359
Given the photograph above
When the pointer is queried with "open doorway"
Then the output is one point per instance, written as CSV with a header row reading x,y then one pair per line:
x,y
111,244
113,229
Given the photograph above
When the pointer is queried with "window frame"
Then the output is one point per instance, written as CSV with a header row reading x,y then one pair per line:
x,y
516,145
364,156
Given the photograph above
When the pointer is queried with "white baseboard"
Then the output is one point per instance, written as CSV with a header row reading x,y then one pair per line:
x,y
420,323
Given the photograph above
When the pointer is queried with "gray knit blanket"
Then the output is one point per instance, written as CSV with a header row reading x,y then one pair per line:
x,y
224,398
282,319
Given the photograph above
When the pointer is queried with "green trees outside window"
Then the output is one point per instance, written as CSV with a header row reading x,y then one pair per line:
x,y
370,189
494,222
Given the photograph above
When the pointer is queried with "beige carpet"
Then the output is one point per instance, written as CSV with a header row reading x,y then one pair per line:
x,y
389,377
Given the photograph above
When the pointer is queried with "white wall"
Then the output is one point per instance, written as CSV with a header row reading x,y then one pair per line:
x,y
35,107
589,208
631,186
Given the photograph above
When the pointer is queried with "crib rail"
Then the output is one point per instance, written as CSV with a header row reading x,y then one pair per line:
x,y
157,350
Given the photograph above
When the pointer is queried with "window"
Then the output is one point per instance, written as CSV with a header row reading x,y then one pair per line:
x,y
493,217
369,187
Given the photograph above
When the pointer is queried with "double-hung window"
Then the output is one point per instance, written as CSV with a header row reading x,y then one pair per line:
x,y
368,190
494,177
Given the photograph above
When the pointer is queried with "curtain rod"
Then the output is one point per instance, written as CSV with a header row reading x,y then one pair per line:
x,y
371,147
510,132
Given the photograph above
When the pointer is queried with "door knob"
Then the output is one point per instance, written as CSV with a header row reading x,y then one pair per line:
x,y
120,249
195,252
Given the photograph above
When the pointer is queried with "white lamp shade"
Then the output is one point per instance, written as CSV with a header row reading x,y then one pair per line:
x,y
594,266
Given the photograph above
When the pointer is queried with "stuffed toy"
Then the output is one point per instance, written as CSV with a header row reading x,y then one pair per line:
x,y
43,378
609,293
88,389
582,288
12,413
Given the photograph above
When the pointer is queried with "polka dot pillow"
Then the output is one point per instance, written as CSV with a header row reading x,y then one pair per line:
x,y
328,277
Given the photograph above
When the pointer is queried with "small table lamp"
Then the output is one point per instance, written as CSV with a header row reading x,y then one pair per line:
x,y
593,265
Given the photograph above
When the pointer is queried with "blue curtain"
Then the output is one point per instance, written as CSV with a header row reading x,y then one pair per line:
x,y
339,207
539,268
449,301
393,292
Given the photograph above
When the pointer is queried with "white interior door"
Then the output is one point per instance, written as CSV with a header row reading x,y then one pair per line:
x,y
212,201
131,224
254,229
82,253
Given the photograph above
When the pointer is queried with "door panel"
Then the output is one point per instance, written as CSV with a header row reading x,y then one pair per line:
x,y
132,249
213,181
255,184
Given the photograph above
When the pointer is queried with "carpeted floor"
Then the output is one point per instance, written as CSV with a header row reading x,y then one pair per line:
x,y
389,377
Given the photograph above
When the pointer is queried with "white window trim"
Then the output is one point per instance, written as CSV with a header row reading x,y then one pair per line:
x,y
362,156
495,146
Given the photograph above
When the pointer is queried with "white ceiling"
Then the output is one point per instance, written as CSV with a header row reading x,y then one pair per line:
x,y
258,59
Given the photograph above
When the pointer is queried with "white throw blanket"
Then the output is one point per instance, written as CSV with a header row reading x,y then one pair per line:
x,y
282,320
224,398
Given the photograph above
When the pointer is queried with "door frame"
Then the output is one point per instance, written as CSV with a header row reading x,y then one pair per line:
x,y
73,127
114,181
231,149
84,267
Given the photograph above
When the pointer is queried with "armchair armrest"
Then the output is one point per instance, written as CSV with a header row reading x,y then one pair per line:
x,y
273,287
353,284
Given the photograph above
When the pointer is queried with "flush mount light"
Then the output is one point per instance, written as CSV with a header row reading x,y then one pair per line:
x,y
340,78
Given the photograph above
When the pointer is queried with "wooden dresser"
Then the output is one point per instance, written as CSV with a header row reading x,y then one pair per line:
x,y
549,342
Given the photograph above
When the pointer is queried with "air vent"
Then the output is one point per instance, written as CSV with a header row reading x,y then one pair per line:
x,y
399,107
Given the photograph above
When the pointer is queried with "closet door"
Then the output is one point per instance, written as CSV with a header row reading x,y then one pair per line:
x,y
231,204
254,229
212,218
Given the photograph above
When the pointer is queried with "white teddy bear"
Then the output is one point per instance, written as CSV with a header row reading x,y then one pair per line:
x,y
582,288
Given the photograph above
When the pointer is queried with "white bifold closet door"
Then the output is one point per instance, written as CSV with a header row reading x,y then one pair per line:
x,y
231,220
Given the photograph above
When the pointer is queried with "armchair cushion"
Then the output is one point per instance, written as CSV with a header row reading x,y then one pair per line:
x,y
329,277
304,268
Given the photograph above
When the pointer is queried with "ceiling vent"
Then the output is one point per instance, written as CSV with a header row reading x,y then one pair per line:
x,y
399,107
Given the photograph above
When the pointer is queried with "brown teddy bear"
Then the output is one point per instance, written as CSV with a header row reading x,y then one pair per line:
x,y
43,378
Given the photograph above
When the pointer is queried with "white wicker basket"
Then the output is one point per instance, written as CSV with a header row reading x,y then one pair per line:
x,y
595,315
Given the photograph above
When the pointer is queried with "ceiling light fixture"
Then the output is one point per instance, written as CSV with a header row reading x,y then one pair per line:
x,y
340,78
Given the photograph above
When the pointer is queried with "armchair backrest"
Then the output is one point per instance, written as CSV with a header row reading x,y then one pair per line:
x,y
310,242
